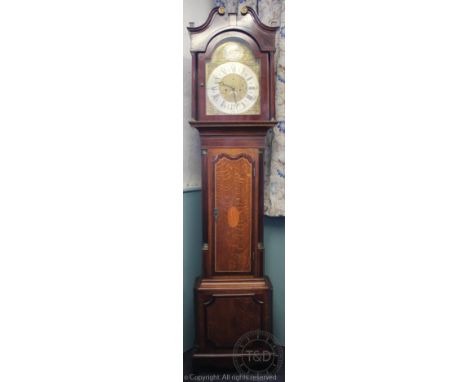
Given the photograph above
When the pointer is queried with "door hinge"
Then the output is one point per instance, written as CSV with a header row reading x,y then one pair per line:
x,y
254,172
215,213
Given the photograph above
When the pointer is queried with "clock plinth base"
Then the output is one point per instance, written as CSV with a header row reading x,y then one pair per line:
x,y
224,361
226,310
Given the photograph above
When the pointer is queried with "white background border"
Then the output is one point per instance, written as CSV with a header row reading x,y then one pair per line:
x,y
91,207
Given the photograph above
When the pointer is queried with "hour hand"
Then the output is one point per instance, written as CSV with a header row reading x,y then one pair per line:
x,y
228,86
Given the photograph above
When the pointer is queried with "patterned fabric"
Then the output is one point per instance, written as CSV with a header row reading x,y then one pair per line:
x,y
271,12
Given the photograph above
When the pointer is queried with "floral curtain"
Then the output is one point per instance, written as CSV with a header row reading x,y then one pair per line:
x,y
271,12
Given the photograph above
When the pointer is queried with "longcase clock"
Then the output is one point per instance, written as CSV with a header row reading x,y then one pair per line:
x,y
233,106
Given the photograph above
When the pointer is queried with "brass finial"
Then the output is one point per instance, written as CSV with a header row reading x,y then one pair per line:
x,y
221,10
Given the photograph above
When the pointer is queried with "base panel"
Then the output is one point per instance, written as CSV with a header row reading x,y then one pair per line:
x,y
228,309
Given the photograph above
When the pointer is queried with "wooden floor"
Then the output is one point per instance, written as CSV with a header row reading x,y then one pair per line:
x,y
220,376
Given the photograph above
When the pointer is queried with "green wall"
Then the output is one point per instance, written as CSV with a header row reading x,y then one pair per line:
x,y
192,260
274,265
274,268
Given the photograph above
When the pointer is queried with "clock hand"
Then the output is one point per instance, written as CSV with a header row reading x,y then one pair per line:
x,y
228,86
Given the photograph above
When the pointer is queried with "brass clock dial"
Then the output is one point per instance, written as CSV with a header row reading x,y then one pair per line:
x,y
232,81
232,88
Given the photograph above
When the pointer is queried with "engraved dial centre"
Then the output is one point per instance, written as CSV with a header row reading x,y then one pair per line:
x,y
233,87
